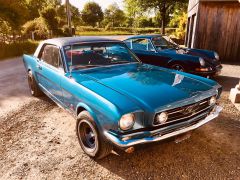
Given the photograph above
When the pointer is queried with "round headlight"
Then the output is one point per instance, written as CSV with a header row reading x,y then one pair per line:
x,y
162,117
216,56
202,62
212,101
127,121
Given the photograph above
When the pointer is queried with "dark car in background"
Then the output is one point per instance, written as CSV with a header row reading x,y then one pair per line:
x,y
161,51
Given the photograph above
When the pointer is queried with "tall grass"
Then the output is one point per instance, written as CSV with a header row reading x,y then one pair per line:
x,y
17,49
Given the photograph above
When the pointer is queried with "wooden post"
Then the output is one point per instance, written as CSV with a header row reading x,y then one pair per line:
x,y
68,17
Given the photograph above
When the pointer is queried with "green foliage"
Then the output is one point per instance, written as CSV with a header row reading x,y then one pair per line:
x,y
145,22
133,12
49,15
113,16
179,21
14,12
33,7
83,30
17,49
92,14
36,26
5,28
163,7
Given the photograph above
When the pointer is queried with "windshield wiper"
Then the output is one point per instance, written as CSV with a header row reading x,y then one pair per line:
x,y
85,66
120,62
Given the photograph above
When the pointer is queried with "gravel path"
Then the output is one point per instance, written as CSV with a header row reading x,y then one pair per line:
x,y
38,141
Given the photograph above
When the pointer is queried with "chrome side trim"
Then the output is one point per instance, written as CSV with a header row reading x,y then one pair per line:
x,y
131,142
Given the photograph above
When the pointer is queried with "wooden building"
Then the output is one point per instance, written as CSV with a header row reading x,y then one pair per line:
x,y
215,25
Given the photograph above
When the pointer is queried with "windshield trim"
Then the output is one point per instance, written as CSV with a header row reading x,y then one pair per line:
x,y
137,60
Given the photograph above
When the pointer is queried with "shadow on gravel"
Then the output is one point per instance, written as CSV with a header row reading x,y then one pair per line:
x,y
227,82
208,153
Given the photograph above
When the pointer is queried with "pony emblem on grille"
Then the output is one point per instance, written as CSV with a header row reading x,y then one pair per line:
x,y
190,109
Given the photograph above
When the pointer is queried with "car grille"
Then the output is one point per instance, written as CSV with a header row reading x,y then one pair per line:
x,y
185,113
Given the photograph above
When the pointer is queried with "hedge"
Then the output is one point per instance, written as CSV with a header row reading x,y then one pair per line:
x,y
17,49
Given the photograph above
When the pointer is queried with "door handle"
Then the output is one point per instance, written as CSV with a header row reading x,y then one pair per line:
x,y
39,67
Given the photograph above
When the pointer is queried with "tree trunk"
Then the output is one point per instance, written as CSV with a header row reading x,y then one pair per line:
x,y
163,16
163,24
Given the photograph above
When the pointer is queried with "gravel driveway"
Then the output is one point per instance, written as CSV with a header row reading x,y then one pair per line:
x,y
38,141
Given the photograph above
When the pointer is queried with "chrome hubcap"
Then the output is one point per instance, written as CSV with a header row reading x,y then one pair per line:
x,y
87,135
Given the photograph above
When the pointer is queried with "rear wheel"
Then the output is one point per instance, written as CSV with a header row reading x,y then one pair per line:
x,y
178,67
33,86
90,140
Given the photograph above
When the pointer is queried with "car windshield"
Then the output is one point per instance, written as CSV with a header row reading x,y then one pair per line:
x,y
81,56
161,43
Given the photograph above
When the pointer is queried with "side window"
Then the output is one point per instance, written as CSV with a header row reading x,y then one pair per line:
x,y
142,44
51,56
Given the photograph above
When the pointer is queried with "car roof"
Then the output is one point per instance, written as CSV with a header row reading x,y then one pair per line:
x,y
149,36
64,41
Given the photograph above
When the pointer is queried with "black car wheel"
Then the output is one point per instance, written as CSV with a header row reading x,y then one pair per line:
x,y
178,67
91,141
33,86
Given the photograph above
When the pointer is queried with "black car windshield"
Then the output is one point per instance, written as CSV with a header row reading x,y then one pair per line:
x,y
81,56
161,43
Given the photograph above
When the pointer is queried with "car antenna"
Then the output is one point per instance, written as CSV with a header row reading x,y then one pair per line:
x,y
71,61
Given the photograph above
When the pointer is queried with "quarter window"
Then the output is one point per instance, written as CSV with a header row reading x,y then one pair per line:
x,y
142,44
51,56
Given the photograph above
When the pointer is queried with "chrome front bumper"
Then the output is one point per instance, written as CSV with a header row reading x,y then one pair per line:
x,y
131,142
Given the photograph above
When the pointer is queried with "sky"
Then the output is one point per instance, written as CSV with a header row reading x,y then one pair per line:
x,y
103,3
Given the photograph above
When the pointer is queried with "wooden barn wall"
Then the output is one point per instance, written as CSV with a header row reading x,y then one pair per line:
x,y
218,29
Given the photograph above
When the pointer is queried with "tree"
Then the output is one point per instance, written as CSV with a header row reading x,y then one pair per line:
x,y
179,20
145,22
164,7
13,12
114,16
133,12
49,16
92,13
75,15
36,26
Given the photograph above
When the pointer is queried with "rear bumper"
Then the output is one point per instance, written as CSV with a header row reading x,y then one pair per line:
x,y
152,137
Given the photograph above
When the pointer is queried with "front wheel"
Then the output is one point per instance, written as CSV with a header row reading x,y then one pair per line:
x,y
178,67
90,140
33,86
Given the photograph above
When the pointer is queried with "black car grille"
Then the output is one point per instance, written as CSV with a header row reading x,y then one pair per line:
x,y
185,113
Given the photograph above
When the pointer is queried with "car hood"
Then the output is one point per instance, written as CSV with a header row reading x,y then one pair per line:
x,y
192,54
183,51
149,86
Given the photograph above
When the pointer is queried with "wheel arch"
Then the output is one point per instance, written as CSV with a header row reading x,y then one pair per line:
x,y
84,107
180,62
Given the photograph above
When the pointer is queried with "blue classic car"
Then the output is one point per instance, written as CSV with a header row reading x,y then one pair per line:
x,y
117,100
160,51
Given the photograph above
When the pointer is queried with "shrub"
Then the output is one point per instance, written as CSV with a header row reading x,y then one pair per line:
x,y
17,49
38,27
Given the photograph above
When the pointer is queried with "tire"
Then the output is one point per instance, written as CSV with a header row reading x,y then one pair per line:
x,y
33,86
178,67
90,140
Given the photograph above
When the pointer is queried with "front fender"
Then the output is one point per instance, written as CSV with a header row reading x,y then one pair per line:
x,y
82,105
